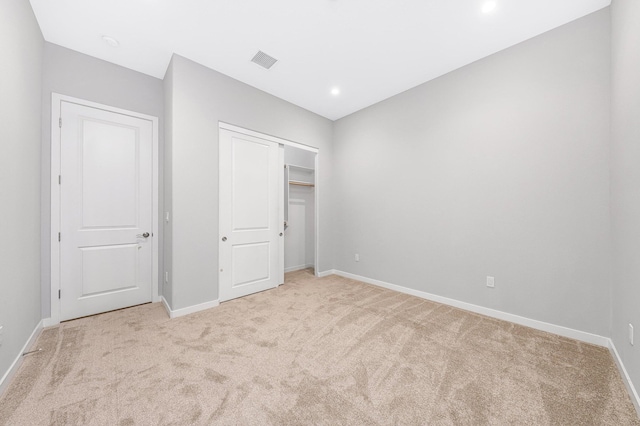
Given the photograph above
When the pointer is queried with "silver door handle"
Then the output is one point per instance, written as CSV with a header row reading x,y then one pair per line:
x,y
145,235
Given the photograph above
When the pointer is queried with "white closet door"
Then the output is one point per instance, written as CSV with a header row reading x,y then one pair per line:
x,y
251,215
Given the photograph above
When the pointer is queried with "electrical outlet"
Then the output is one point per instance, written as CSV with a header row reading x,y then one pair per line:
x,y
631,334
357,257
166,277
491,282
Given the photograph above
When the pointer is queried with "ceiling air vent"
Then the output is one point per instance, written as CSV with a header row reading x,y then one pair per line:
x,y
264,60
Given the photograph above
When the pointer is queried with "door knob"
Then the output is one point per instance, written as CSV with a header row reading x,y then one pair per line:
x,y
224,239
145,235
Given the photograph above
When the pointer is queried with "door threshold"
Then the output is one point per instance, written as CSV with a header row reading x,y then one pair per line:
x,y
106,312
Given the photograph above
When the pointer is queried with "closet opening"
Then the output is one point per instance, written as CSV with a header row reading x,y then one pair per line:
x,y
300,198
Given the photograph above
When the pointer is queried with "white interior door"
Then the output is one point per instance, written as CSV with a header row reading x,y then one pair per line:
x,y
106,211
251,215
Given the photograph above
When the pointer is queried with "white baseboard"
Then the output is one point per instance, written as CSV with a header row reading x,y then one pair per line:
x,y
13,369
633,393
49,322
327,273
298,268
189,309
528,322
166,305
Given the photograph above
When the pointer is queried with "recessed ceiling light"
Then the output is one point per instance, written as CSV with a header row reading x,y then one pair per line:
x,y
335,91
489,6
111,41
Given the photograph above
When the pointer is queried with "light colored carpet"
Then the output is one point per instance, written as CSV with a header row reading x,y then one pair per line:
x,y
314,351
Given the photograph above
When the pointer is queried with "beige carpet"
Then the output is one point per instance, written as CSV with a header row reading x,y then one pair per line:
x,y
314,351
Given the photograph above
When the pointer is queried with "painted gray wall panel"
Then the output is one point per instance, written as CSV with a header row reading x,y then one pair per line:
x,y
21,44
625,181
499,168
201,98
71,73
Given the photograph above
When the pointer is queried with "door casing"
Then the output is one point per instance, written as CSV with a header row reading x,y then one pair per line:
x,y
56,100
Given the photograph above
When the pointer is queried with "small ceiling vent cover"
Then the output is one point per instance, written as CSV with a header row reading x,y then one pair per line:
x,y
264,60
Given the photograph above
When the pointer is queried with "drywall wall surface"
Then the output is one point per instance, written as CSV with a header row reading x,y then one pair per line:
x,y
201,99
625,181
21,44
71,73
165,277
499,169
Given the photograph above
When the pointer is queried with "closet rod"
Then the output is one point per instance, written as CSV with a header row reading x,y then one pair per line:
x,y
295,182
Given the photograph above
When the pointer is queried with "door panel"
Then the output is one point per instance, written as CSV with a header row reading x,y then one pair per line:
x,y
106,206
108,268
250,179
250,211
250,263
109,159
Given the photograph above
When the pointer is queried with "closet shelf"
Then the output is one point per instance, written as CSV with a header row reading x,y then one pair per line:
x,y
303,169
300,183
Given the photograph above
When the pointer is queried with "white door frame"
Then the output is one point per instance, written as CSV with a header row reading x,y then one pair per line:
x,y
227,126
56,104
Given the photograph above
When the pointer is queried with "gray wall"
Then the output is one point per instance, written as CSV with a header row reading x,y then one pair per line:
x,y
71,73
201,98
499,168
21,44
625,180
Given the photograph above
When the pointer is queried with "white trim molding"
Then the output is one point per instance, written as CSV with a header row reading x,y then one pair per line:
x,y
13,369
56,110
633,393
189,309
326,273
48,322
527,322
249,132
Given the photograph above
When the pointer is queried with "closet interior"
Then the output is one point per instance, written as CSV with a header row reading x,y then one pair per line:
x,y
299,209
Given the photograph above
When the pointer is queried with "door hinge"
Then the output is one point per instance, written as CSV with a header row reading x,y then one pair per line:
x,y
59,179
60,122
59,293
59,239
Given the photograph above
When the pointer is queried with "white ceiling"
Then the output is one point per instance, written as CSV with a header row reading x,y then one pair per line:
x,y
370,49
